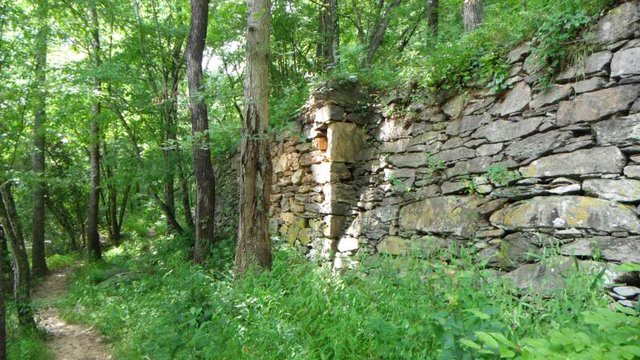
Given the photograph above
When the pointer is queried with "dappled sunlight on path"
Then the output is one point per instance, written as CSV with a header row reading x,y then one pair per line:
x,y
66,341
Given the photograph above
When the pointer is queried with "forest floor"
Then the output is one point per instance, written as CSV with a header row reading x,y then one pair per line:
x,y
66,341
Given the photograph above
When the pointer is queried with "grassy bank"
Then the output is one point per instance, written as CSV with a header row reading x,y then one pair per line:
x,y
150,301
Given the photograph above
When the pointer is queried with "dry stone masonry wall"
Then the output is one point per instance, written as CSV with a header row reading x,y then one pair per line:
x,y
507,175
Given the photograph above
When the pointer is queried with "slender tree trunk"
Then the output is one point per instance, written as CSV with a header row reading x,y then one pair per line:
x,y
113,214
120,218
169,189
329,35
254,244
472,14
379,32
203,167
3,331
93,237
39,264
169,161
6,273
186,199
434,16
64,220
21,282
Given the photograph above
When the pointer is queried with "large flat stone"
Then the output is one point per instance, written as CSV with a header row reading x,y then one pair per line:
x,y
598,62
591,84
625,249
424,246
328,113
619,23
454,107
373,224
632,171
537,278
519,248
626,63
468,123
503,130
334,226
620,132
534,146
410,160
516,100
551,95
329,172
565,212
454,154
451,215
520,192
603,160
597,105
622,190
549,276
345,140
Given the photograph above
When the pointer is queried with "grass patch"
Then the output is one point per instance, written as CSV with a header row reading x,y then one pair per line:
x,y
151,302
22,343
61,261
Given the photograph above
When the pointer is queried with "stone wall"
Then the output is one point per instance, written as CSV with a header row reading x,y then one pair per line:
x,y
507,175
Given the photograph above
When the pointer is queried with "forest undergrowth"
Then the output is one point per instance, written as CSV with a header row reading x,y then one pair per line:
x,y
151,303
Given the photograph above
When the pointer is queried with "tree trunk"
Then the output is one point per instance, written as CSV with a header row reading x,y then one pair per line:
x,y
172,76
254,244
472,14
113,214
93,237
65,221
329,35
379,32
186,199
21,280
6,273
434,16
117,230
39,264
203,167
3,331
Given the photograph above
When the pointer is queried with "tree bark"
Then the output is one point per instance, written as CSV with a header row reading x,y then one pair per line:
x,y
66,222
3,331
93,237
203,167
379,32
329,35
253,250
6,273
434,16
472,14
186,199
21,282
39,264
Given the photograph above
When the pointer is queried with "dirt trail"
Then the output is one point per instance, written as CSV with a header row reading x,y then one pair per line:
x,y
66,341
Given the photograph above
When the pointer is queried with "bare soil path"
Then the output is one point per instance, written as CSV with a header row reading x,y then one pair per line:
x,y
66,341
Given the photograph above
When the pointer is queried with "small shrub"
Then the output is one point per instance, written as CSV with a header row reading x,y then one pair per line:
x,y
60,261
501,176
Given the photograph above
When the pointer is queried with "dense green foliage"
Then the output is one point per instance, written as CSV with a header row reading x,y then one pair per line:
x,y
24,343
454,59
387,308
139,48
